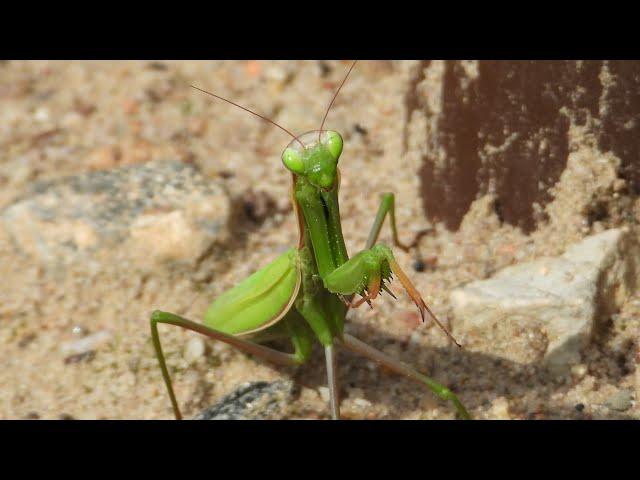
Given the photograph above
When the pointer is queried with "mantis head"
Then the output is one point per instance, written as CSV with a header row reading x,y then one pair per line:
x,y
314,155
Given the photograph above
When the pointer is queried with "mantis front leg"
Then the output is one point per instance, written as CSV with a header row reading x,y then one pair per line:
x,y
370,268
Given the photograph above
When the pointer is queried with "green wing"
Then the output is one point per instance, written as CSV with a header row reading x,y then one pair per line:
x,y
259,301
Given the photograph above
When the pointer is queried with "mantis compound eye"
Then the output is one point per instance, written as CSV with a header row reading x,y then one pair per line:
x,y
333,142
293,160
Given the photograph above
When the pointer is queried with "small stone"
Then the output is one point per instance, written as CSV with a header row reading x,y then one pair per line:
x,y
194,349
86,344
362,403
78,330
579,407
579,371
42,114
419,265
416,338
500,409
324,393
620,401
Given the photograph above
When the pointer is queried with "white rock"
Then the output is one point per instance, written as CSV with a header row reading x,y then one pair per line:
x,y
41,115
86,344
499,409
362,403
547,309
194,349
324,393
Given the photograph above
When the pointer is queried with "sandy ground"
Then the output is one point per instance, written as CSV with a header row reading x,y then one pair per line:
x,y
65,118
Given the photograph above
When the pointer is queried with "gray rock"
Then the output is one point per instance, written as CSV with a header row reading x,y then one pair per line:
x,y
157,212
252,401
546,310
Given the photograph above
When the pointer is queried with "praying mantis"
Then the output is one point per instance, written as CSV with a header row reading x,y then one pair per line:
x,y
305,293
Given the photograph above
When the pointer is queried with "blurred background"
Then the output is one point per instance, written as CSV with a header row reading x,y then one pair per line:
x,y
124,190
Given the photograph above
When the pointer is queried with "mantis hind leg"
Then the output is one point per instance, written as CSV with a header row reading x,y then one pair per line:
x,y
353,344
387,205
269,354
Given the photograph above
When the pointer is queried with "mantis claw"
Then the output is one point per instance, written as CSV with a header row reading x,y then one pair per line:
x,y
417,299
384,287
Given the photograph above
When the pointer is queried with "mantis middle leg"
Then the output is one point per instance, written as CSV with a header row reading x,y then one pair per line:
x,y
387,205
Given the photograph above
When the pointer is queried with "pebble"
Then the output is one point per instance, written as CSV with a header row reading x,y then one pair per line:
x,y
194,349
41,115
620,401
419,266
324,393
362,403
86,344
579,371
500,409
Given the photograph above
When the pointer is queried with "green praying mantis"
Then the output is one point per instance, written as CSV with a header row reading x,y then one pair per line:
x,y
305,293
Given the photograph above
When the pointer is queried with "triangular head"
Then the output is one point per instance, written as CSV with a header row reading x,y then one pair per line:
x,y
314,155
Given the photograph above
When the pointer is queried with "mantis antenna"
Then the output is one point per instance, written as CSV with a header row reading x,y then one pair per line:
x,y
252,112
334,97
